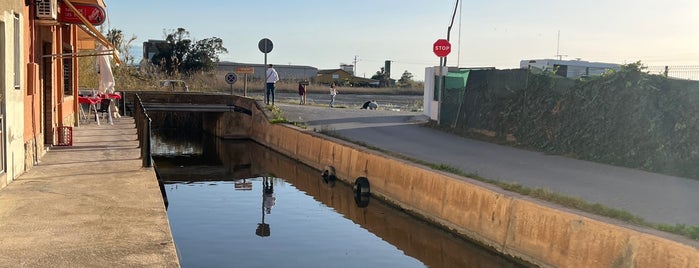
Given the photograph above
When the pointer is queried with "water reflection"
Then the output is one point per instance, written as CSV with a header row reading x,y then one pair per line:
x,y
268,201
247,165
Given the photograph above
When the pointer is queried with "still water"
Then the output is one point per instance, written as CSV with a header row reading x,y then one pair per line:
x,y
239,204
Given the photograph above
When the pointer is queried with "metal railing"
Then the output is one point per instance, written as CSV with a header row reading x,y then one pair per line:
x,y
688,72
143,128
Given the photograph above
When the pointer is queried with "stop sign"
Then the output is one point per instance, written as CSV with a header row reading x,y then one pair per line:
x,y
441,48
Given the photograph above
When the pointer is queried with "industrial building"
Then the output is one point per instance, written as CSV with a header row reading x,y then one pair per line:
x,y
286,72
569,68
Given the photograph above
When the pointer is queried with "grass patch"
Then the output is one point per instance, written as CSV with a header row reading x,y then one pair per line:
x,y
681,229
277,115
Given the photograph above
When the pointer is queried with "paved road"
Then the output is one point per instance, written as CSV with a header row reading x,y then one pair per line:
x,y
655,197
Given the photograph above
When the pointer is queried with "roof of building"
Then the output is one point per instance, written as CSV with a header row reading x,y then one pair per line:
x,y
230,63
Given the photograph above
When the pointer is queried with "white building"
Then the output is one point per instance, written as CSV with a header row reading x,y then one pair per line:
x,y
286,72
569,68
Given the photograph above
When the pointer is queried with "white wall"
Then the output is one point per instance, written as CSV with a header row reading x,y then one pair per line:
x,y
12,104
430,106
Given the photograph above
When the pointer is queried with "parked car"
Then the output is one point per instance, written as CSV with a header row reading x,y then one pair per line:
x,y
174,85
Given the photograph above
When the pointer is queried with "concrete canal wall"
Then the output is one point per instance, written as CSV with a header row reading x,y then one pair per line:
x,y
513,224
541,233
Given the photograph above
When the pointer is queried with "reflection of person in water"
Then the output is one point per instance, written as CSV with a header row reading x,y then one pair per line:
x,y
268,194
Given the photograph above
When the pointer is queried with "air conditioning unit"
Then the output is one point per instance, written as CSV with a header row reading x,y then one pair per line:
x,y
46,9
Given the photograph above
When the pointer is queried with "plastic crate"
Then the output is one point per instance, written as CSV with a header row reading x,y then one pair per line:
x,y
65,136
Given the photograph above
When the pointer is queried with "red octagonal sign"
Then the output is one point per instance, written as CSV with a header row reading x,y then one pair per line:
x,y
441,48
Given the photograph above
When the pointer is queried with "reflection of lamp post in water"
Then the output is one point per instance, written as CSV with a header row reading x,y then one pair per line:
x,y
268,199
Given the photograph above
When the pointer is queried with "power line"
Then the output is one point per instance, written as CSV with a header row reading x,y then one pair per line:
x,y
415,62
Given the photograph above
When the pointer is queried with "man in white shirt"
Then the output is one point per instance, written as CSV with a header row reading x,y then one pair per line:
x,y
272,78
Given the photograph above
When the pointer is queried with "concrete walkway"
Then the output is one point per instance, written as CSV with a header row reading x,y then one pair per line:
x,y
655,197
87,205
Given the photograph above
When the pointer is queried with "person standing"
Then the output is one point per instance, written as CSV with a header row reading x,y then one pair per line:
x,y
272,78
333,93
268,198
302,91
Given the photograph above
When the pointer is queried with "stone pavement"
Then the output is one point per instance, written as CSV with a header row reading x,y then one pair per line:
x,y
655,197
87,205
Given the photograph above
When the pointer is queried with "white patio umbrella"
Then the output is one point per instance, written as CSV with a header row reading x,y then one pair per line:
x,y
106,77
104,70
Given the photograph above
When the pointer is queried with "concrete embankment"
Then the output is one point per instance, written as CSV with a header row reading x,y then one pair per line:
x,y
543,234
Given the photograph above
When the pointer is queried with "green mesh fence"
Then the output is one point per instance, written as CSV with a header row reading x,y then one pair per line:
x,y
628,118
485,95
454,87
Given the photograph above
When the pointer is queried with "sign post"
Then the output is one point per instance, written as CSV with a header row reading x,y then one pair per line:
x,y
441,48
265,46
230,79
246,71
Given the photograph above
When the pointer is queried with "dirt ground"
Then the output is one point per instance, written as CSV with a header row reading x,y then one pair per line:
x,y
386,102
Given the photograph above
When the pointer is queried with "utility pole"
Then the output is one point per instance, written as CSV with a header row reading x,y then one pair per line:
x,y
558,47
354,65
443,69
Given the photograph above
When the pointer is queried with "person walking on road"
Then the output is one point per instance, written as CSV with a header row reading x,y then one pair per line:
x,y
272,78
333,93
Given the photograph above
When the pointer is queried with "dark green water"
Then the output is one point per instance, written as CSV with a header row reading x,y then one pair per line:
x,y
220,216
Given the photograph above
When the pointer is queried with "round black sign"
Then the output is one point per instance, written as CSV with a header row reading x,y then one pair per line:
x,y
231,78
265,45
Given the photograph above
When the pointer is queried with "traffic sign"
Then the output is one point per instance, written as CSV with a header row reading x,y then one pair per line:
x,y
245,70
441,48
231,78
265,45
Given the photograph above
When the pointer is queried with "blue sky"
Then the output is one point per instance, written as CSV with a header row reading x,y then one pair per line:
x,y
494,33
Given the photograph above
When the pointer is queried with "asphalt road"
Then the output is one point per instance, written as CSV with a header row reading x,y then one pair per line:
x,y
655,197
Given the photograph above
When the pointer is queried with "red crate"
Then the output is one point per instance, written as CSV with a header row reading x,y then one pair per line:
x,y
65,136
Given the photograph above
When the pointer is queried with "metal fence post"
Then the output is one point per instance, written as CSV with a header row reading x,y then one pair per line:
x,y
143,130
147,158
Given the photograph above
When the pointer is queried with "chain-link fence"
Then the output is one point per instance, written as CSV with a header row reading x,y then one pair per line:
x,y
688,72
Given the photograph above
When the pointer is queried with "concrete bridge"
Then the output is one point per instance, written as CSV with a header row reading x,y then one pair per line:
x,y
515,225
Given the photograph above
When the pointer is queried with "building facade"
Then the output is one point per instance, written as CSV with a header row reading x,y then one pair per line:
x,y
286,72
344,78
39,78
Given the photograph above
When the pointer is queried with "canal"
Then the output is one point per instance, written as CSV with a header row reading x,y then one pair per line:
x,y
240,204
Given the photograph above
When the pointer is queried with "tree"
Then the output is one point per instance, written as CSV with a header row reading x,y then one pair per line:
x,y
179,54
116,37
406,80
382,76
